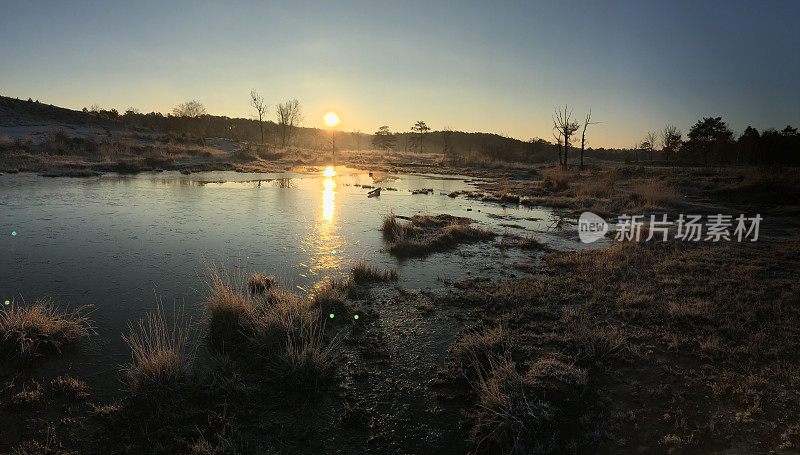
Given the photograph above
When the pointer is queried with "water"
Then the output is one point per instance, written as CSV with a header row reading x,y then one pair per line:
x,y
118,242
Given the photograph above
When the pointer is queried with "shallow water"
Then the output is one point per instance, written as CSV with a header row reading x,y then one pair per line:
x,y
118,242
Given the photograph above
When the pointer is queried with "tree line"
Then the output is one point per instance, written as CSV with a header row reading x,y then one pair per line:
x,y
709,141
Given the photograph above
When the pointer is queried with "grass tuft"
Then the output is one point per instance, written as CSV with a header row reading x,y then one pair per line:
x,y
69,388
258,283
365,273
279,333
29,331
162,357
424,234
555,180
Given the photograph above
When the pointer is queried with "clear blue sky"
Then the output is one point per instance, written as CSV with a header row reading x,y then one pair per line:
x,y
476,66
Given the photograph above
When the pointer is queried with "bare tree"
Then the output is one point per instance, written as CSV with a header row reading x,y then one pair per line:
x,y
257,101
670,141
586,123
357,136
566,127
289,116
649,143
191,108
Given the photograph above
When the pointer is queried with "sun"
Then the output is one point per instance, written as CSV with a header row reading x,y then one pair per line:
x,y
329,172
331,119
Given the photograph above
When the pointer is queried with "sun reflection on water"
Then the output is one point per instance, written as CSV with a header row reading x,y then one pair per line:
x,y
328,200
325,242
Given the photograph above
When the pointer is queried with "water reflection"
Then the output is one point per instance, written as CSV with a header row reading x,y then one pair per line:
x,y
325,242
328,199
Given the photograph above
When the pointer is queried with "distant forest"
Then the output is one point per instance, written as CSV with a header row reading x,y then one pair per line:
x,y
708,142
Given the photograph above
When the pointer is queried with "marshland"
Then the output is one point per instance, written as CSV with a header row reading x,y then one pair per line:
x,y
428,250
279,307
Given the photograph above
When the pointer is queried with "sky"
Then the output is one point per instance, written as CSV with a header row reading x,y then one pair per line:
x,y
492,66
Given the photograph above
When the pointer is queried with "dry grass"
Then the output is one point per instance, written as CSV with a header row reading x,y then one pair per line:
x,y
602,187
69,388
258,283
227,308
508,417
530,243
278,332
330,296
29,331
161,354
699,341
474,349
424,234
655,194
365,273
555,180
513,413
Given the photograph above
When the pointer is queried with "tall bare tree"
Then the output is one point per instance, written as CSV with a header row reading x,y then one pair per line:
x,y
289,116
257,101
586,122
566,127
357,136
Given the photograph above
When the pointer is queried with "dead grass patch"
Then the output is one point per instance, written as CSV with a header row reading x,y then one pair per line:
x,y
702,333
258,283
655,194
555,180
424,234
276,331
365,273
29,331
161,355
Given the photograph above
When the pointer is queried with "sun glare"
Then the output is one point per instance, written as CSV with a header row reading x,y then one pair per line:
x,y
329,172
331,119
